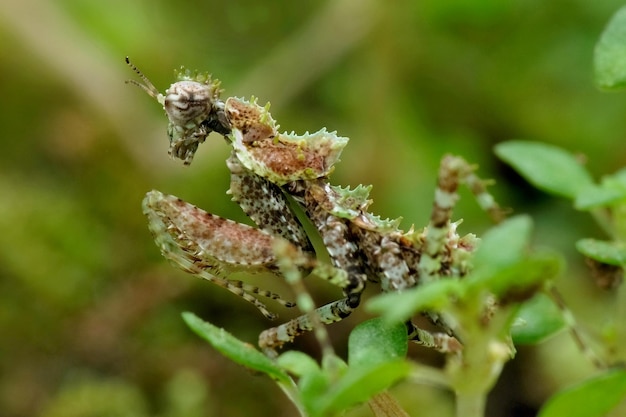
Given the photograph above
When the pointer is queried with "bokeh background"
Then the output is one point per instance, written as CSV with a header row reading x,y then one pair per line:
x,y
90,312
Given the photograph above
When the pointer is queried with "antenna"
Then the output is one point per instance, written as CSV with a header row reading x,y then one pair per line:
x,y
147,86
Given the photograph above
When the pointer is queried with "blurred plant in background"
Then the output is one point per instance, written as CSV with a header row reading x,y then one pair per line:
x,y
90,312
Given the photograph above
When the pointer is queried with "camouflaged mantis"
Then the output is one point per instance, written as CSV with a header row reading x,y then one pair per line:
x,y
267,166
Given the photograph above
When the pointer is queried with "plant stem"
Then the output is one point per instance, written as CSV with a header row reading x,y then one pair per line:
x,y
604,222
470,404
291,391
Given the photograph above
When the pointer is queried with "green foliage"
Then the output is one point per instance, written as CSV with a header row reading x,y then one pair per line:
x,y
507,273
594,397
536,320
234,349
610,54
376,353
81,285
87,396
504,266
547,167
612,253
375,341
398,307
558,172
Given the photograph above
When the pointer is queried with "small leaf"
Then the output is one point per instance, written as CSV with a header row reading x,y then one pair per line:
x,y
504,244
333,365
547,167
611,190
504,266
313,387
398,307
358,385
520,281
612,253
297,363
595,196
538,319
594,397
240,352
376,341
609,59
618,177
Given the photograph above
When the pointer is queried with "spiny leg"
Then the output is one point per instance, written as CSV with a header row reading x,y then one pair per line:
x,y
336,233
265,203
347,271
190,264
441,342
391,253
443,252
453,172
289,261
573,328
211,247
275,337
313,319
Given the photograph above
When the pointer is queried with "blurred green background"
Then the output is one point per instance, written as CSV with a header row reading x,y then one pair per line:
x,y
90,312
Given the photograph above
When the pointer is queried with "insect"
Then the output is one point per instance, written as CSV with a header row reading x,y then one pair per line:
x,y
268,168
193,107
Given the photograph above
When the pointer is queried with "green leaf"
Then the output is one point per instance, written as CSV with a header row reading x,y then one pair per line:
x,y
595,196
594,397
333,365
358,385
612,253
611,191
520,281
240,352
609,59
313,387
536,320
504,266
377,341
547,167
399,307
504,244
298,363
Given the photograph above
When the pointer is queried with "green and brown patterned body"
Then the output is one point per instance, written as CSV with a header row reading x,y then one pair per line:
x,y
269,168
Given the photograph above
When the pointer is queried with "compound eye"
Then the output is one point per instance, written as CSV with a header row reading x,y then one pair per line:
x,y
188,101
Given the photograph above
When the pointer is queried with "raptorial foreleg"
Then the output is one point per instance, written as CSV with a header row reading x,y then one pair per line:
x,y
211,247
266,204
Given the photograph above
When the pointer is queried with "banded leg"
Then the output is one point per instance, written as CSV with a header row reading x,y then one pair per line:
x,y
453,172
211,247
336,233
275,337
347,272
573,328
291,262
443,251
441,342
